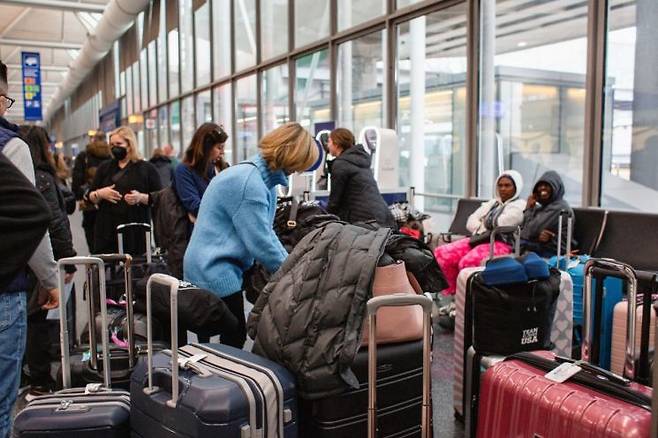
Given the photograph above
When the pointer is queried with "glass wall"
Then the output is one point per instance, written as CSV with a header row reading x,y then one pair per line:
x,y
202,42
137,101
144,78
221,37
274,97
151,132
175,127
532,112
163,126
203,108
274,28
311,21
246,117
360,82
244,15
431,113
153,73
172,48
186,45
187,121
630,140
129,92
222,103
312,89
351,13
162,54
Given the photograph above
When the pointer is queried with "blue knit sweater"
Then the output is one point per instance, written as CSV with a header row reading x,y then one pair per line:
x,y
234,228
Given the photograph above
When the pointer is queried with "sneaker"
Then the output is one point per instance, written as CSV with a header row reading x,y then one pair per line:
x,y
37,391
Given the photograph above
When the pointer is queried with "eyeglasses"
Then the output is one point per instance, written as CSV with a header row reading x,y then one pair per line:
x,y
9,99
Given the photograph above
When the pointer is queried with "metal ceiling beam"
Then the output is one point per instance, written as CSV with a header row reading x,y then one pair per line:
x,y
60,5
43,67
15,21
37,43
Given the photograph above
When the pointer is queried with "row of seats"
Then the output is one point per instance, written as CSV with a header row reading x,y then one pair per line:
x,y
626,236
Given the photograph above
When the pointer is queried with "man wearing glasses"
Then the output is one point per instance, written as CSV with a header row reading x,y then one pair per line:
x,y
13,290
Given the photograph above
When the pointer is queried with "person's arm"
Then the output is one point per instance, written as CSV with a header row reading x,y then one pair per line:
x,y
339,181
475,219
186,190
78,185
60,233
97,193
511,215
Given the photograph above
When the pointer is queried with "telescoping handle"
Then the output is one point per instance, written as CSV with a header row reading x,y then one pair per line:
x,y
516,232
397,300
560,227
172,283
89,263
121,229
126,259
600,269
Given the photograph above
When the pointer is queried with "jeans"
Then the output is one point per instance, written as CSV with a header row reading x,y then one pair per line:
x,y
13,331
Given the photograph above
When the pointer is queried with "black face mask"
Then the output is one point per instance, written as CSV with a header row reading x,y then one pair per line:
x,y
119,153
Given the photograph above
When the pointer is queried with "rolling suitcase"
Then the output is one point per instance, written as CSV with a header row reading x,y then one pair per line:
x,y
400,387
218,391
476,364
95,411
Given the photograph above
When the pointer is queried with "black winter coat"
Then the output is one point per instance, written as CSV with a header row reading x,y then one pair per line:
x,y
164,168
59,226
354,195
170,227
309,317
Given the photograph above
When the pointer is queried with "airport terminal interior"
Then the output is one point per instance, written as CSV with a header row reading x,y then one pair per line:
x,y
446,101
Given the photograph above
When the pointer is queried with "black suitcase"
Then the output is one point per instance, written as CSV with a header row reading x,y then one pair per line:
x,y
93,411
219,391
400,389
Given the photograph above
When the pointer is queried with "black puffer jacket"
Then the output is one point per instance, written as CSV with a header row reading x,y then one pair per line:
x,y
59,227
310,315
419,260
354,195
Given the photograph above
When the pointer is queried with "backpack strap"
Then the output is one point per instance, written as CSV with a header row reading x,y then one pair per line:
x,y
292,217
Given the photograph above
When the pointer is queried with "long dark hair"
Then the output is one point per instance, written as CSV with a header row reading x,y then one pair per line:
x,y
197,154
37,139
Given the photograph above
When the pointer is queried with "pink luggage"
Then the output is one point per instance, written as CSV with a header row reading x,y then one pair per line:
x,y
620,314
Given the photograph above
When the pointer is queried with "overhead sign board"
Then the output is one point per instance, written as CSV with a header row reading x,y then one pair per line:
x,y
32,106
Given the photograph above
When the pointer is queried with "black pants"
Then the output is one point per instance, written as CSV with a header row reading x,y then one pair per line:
x,y
37,352
235,304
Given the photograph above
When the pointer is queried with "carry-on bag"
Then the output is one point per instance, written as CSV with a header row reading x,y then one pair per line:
x,y
95,411
209,390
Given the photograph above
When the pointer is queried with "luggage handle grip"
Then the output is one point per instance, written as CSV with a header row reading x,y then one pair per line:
x,y
397,300
63,322
147,230
514,229
567,252
164,280
601,268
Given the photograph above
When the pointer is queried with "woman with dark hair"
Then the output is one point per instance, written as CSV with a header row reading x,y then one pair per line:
x,y
37,352
199,166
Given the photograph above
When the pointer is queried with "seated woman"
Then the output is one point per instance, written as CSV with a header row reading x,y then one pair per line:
x,y
354,196
542,214
234,225
504,210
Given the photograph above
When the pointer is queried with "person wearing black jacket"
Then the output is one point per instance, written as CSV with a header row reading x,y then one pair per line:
x,y
37,351
121,190
84,170
354,195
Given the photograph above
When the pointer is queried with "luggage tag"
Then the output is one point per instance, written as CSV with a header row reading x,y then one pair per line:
x,y
563,372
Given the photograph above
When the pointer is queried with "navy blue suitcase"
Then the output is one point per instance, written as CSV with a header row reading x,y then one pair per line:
x,y
219,391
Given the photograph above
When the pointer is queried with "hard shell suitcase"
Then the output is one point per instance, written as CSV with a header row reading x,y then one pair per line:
x,y
618,346
95,411
219,390
476,364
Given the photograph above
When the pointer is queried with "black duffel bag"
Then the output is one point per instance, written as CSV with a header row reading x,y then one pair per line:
x,y
512,318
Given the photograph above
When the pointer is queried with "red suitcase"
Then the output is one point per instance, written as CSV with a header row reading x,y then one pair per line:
x,y
516,400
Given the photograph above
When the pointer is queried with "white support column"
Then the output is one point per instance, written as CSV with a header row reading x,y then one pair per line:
x,y
487,151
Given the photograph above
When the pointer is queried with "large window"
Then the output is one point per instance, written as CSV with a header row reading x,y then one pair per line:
x,y
144,78
222,116
630,140
129,92
137,101
311,21
244,15
274,28
172,47
361,82
532,106
187,120
274,101
246,117
175,127
186,45
162,54
151,132
351,13
202,44
312,89
431,116
203,108
153,75
163,125
221,37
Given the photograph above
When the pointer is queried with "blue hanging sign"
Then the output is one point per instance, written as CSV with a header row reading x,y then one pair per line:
x,y
31,63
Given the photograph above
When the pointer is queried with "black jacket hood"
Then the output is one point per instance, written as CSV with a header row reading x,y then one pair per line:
x,y
357,156
552,178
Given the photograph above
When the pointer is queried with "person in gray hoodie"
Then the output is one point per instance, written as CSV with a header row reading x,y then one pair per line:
x,y
541,216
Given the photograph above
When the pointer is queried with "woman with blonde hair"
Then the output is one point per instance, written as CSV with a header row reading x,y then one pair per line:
x,y
234,225
120,190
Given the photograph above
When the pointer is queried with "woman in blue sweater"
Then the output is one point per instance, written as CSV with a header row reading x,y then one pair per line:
x,y
234,225
193,175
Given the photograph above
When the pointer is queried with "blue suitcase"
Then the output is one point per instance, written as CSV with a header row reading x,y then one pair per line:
x,y
219,391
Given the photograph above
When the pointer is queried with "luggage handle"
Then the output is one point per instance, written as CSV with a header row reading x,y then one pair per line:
x,y
147,230
164,280
126,259
396,300
567,253
602,268
515,230
89,262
